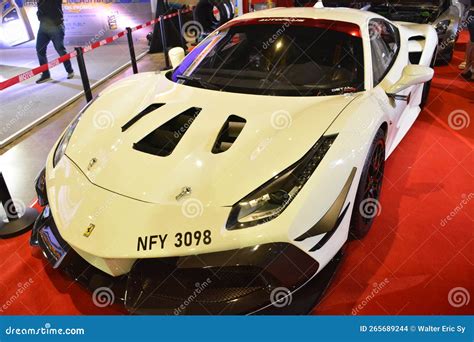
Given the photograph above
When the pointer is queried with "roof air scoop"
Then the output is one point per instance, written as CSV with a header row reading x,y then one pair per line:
x,y
163,140
228,133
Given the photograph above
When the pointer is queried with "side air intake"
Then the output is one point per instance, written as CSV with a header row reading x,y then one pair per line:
x,y
163,140
228,133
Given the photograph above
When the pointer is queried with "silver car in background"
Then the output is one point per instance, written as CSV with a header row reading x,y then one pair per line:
x,y
449,17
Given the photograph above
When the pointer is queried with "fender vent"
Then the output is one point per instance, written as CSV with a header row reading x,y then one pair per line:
x,y
140,115
228,133
163,140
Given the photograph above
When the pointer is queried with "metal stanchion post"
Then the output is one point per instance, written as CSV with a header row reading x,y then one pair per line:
x,y
16,221
82,69
6,199
132,50
180,25
155,43
164,43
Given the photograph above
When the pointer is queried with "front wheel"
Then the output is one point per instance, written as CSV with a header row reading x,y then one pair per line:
x,y
427,86
366,205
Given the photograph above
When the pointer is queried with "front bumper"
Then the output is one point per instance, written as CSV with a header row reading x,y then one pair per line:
x,y
237,281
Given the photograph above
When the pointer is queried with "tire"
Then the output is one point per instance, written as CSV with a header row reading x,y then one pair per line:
x,y
230,9
445,58
223,15
203,15
424,95
366,204
427,86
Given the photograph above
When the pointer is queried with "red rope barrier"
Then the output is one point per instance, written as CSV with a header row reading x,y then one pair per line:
x,y
33,72
42,68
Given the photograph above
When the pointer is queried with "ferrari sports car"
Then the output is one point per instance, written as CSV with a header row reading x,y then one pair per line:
x,y
446,16
231,183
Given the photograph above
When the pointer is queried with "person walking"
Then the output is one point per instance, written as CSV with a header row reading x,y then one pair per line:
x,y
51,29
468,72
467,64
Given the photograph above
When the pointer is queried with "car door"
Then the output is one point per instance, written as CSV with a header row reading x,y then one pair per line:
x,y
386,69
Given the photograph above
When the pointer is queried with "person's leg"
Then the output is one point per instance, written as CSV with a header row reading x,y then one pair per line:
x,y
42,42
462,66
470,56
469,69
469,52
470,59
58,42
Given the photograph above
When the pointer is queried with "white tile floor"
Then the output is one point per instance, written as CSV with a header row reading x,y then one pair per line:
x,y
24,103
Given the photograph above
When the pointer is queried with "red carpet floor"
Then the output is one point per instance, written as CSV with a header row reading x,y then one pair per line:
x,y
408,264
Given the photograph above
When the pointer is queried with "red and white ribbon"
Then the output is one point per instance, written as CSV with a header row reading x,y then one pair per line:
x,y
42,68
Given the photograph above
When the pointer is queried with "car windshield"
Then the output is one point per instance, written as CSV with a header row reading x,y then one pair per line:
x,y
280,57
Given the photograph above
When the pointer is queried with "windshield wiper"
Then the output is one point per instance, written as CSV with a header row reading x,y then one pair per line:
x,y
204,84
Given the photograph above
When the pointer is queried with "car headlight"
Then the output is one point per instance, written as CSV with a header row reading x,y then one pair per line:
x,y
269,200
40,187
62,145
442,26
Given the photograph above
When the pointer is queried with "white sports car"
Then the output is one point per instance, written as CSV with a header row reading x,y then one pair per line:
x,y
230,183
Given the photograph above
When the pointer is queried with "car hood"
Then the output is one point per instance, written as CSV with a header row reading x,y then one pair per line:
x,y
277,132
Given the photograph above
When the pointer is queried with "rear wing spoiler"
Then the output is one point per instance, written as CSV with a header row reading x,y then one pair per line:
x,y
422,41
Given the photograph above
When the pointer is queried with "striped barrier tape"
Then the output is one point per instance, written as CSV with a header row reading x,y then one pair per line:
x,y
42,68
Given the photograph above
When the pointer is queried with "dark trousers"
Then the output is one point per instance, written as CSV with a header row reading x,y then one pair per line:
x,y
470,27
49,32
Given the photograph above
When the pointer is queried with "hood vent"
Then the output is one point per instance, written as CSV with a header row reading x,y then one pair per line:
x,y
228,133
140,115
163,140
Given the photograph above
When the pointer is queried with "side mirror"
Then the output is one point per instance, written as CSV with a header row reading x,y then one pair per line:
x,y
176,55
412,75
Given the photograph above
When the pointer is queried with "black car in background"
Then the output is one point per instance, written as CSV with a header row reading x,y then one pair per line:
x,y
447,17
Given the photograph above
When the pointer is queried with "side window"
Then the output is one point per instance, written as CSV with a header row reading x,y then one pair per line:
x,y
385,43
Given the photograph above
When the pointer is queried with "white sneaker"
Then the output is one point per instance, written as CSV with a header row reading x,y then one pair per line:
x,y
462,66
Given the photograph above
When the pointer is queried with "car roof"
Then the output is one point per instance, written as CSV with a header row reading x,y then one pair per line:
x,y
349,15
